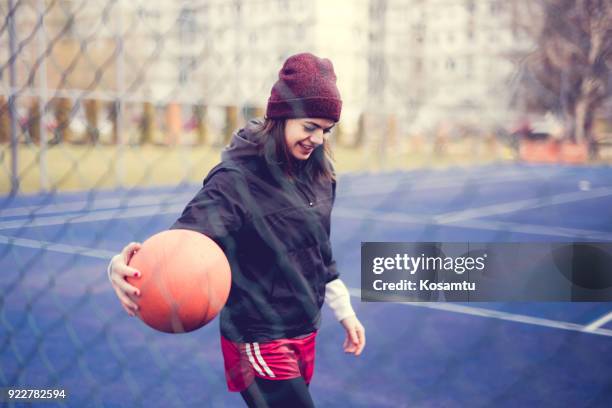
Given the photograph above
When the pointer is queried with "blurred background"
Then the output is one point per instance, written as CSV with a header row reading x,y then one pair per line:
x,y
463,121
91,91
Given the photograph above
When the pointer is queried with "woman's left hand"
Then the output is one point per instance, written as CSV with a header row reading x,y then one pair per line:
x,y
355,335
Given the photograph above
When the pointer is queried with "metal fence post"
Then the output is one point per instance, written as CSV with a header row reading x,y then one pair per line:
x,y
42,103
12,99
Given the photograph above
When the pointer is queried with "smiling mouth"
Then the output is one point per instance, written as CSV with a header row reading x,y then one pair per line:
x,y
306,147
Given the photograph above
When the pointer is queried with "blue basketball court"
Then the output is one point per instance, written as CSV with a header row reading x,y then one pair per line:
x,y
61,325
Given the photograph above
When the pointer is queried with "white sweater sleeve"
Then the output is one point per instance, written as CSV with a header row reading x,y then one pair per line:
x,y
338,299
108,268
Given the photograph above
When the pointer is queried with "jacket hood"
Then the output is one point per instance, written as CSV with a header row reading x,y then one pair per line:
x,y
243,143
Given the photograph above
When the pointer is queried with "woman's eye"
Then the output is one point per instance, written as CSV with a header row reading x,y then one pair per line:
x,y
309,129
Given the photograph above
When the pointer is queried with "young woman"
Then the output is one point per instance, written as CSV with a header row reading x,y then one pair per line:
x,y
268,205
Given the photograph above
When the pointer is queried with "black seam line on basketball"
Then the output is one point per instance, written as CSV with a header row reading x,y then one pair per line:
x,y
162,284
208,298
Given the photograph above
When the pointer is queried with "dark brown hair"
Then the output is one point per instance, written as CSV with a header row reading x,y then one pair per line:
x,y
271,136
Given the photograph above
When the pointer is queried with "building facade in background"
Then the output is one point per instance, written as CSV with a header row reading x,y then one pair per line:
x,y
422,62
413,63
470,54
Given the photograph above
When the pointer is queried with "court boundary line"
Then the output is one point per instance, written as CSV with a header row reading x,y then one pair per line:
x,y
152,199
96,204
597,323
54,247
454,218
521,205
503,226
431,184
342,212
96,216
393,216
592,328
461,218
500,315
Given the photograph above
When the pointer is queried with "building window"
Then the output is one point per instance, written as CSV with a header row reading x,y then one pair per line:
x,y
494,7
300,32
188,27
418,31
469,66
418,66
470,32
450,64
186,66
470,6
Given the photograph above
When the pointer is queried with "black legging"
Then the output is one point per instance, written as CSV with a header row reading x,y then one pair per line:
x,y
278,393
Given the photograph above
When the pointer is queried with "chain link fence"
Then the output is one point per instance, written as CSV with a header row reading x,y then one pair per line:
x,y
88,89
112,111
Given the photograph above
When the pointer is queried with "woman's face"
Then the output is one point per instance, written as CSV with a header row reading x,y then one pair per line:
x,y
303,135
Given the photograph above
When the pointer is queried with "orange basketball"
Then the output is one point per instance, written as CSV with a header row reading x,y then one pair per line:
x,y
185,280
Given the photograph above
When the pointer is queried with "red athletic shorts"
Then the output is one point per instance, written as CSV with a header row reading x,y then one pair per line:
x,y
280,359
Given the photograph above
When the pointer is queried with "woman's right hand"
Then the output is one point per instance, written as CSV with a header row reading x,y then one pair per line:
x,y
118,271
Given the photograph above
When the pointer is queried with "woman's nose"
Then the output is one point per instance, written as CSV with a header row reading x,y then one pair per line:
x,y
317,137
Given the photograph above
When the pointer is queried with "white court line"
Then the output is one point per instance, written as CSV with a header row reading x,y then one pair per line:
x,y
596,324
422,184
531,203
167,198
51,246
397,217
391,216
593,328
152,209
384,216
496,314
95,204
101,215
505,227
148,206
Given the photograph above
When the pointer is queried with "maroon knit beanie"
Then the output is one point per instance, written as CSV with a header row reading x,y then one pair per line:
x,y
306,88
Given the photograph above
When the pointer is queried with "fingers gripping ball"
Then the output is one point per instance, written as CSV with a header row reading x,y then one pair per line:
x,y
185,280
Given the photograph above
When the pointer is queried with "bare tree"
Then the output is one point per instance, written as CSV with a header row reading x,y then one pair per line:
x,y
570,70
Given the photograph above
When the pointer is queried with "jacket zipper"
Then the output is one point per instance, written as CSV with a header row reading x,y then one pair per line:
x,y
309,201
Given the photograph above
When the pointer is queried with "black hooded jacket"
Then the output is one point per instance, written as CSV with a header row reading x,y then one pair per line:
x,y
275,234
